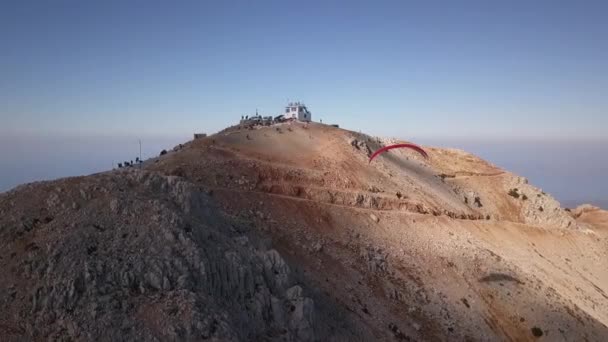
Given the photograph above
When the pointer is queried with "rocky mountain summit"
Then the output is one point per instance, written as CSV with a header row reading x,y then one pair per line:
x,y
291,235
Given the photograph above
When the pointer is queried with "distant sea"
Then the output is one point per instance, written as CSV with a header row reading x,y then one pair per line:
x,y
27,159
574,173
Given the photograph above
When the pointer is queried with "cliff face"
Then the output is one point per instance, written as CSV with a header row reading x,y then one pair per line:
x,y
288,233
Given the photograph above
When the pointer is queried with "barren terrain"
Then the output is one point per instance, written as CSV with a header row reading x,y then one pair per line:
x,y
288,233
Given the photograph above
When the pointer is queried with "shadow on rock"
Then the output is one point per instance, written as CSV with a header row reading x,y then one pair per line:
x,y
494,277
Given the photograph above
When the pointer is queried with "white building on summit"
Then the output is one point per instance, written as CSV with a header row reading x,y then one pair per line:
x,y
298,111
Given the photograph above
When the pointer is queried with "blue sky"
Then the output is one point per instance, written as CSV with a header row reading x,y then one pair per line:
x,y
530,69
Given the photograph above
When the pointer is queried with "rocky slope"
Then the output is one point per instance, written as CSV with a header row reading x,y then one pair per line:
x,y
138,256
287,233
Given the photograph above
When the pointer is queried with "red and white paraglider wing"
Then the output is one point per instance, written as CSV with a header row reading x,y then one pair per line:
x,y
390,147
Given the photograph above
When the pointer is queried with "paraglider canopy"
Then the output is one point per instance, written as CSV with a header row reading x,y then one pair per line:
x,y
390,147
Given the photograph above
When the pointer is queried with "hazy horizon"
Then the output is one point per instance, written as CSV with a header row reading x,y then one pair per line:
x,y
573,172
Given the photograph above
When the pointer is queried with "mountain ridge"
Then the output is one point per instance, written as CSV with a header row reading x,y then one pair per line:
x,y
287,232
